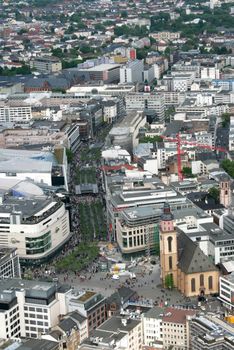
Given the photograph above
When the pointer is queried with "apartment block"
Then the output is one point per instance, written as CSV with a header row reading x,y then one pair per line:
x,y
210,73
116,333
46,64
226,290
9,262
153,328
70,331
231,135
167,36
29,308
175,324
146,101
90,305
132,72
13,114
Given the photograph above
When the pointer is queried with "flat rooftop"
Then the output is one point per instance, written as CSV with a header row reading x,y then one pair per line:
x,y
32,288
86,89
155,210
28,208
16,160
101,67
86,296
47,59
210,229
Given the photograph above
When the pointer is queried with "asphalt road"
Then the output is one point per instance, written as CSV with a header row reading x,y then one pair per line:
x,y
222,139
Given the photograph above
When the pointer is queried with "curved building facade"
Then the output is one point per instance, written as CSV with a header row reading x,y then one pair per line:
x,y
36,226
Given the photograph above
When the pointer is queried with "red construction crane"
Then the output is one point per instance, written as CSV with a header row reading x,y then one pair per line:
x,y
179,141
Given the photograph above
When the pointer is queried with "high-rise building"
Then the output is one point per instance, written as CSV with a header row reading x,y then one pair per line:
x,y
132,72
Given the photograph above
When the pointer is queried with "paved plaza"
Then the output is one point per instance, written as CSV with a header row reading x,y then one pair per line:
x,y
147,284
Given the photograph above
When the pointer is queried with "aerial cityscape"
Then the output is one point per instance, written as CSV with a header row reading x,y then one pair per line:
x,y
117,175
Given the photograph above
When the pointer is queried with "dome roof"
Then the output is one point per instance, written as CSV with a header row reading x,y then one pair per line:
x,y
27,189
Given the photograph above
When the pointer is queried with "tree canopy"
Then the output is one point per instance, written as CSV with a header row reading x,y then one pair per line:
x,y
228,166
24,70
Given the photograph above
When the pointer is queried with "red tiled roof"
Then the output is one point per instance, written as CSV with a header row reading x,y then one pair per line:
x,y
177,315
117,167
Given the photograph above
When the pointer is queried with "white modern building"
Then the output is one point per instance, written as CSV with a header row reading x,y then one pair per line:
x,y
29,308
125,134
167,328
226,290
35,224
109,111
167,36
213,241
181,83
46,64
49,168
116,333
146,101
9,263
210,73
231,135
13,114
132,72
203,167
116,153
152,327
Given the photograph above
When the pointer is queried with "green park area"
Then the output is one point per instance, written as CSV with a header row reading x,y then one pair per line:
x,y
92,221
85,176
80,258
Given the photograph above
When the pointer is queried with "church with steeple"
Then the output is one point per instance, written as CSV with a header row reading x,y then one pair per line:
x,y
182,261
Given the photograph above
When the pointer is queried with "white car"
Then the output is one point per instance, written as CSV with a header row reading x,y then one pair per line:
x,y
115,277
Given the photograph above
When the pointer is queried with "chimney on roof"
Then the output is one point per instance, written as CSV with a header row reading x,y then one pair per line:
x,y
124,321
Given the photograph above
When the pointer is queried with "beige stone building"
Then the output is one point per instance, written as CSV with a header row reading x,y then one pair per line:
x,y
183,264
175,324
70,331
46,64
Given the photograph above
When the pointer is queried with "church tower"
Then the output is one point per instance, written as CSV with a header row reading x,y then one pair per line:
x,y
168,247
225,191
